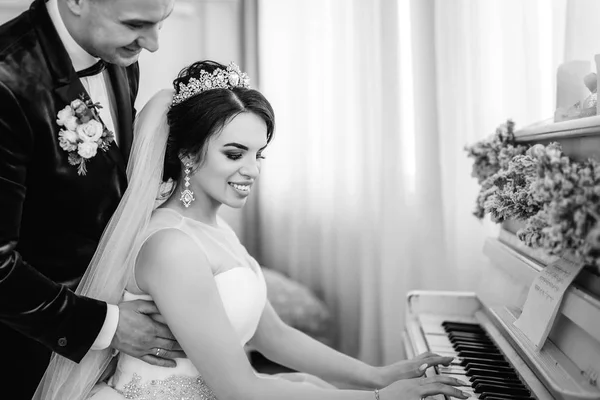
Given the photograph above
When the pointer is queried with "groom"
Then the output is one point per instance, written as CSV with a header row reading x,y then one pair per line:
x,y
56,194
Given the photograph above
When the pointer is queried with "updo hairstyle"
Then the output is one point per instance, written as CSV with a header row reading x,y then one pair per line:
x,y
195,120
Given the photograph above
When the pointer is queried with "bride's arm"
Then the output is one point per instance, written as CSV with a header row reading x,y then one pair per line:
x,y
175,272
294,349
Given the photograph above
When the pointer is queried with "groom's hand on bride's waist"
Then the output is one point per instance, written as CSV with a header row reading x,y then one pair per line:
x,y
141,335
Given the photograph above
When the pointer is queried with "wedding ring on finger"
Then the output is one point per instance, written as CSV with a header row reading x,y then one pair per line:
x,y
158,350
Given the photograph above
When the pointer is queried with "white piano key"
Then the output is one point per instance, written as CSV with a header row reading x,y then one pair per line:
x,y
432,324
451,370
439,349
438,341
460,378
446,353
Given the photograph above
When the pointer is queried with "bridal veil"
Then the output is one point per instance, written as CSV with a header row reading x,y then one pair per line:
x,y
113,261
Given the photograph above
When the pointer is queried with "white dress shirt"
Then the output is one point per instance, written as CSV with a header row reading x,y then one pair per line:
x,y
100,91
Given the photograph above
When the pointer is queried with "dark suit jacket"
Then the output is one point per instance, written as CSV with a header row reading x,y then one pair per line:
x,y
51,218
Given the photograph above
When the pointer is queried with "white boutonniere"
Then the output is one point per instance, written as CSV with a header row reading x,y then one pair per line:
x,y
82,132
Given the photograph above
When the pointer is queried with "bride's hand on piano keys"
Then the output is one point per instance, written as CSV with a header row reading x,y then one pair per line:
x,y
412,368
418,388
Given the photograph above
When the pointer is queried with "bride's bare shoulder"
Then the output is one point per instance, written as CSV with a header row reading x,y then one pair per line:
x,y
168,243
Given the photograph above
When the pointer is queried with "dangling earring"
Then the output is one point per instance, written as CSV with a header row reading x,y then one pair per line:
x,y
187,196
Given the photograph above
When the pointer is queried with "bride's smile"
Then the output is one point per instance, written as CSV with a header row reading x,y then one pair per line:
x,y
231,164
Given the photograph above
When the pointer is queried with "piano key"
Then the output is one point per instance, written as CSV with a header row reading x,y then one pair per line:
x,y
474,324
462,327
482,383
431,325
498,368
475,372
438,348
438,341
451,370
489,379
460,377
476,347
468,335
463,340
447,353
488,396
464,361
483,344
479,360
471,342
504,396
481,354
500,389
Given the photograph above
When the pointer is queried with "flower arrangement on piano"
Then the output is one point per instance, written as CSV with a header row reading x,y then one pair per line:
x,y
559,199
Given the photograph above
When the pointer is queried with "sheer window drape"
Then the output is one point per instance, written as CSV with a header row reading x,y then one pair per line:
x,y
366,191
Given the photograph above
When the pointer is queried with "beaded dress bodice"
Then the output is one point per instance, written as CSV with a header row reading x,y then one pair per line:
x,y
242,289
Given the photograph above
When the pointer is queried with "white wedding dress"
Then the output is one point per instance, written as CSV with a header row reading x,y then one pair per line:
x,y
242,288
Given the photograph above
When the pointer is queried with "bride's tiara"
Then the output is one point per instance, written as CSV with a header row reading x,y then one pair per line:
x,y
218,79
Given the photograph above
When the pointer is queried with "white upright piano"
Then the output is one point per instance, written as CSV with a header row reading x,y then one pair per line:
x,y
477,327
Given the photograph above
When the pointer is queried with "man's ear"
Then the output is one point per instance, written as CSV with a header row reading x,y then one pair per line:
x,y
75,6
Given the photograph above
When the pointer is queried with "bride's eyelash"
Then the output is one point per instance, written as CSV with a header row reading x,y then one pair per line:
x,y
234,156
237,156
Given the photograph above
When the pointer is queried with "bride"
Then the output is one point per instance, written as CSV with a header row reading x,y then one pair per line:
x,y
196,148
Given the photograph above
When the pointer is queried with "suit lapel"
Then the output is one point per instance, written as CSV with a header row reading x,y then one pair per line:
x,y
68,85
71,91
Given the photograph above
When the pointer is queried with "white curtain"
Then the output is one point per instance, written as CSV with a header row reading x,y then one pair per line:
x,y
366,191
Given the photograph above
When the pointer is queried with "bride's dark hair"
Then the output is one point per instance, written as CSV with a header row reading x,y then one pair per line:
x,y
195,120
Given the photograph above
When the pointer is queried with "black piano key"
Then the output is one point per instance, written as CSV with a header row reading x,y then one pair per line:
x,y
479,372
473,342
468,335
461,327
492,367
501,396
464,361
480,341
491,376
482,344
481,354
490,379
500,389
474,347
482,383
488,396
462,324
511,377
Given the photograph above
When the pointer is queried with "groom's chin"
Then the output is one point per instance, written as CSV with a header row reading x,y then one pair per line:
x,y
123,58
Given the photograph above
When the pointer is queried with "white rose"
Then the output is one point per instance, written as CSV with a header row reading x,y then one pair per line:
x,y
91,131
87,149
63,115
71,123
77,103
67,140
69,135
